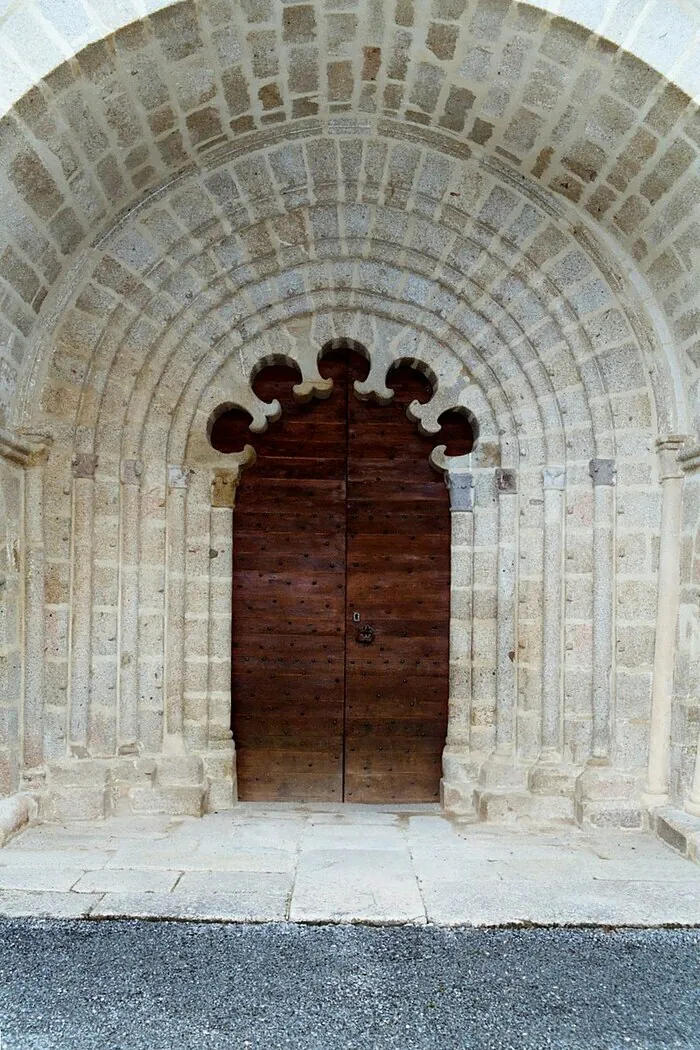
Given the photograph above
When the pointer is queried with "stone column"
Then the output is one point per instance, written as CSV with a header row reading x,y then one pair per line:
x,y
667,603
127,725
84,466
602,473
220,763
173,731
690,459
459,773
506,643
554,480
602,794
34,600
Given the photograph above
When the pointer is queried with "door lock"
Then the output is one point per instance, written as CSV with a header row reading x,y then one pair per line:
x,y
365,635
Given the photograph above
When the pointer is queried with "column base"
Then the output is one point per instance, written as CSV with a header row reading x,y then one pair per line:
x,y
608,798
653,800
460,776
555,778
178,785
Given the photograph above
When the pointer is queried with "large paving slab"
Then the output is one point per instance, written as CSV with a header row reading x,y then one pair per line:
x,y
346,864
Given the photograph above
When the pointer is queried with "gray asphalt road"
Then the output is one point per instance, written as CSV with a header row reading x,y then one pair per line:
x,y
133,985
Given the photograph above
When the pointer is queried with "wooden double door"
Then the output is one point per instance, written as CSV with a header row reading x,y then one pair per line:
x,y
341,581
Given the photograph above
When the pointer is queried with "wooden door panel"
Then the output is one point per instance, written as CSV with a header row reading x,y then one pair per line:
x,y
288,603
278,776
398,551
341,514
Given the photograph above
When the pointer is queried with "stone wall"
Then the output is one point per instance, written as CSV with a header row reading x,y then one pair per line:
x,y
499,196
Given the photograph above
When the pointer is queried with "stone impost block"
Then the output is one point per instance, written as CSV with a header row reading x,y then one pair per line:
x,y
554,478
131,471
178,477
457,799
601,782
514,807
609,814
606,797
221,795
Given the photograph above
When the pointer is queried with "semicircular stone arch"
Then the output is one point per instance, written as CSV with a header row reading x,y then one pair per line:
x,y
200,194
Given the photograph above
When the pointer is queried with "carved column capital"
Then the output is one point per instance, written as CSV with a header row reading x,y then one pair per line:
x,y
689,459
602,471
554,477
223,488
84,465
38,446
506,481
178,476
131,471
668,448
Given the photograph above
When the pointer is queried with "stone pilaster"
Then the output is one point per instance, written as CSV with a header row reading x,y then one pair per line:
x,y
554,483
127,725
668,598
603,795
603,474
38,448
221,763
460,768
84,466
499,776
550,777
173,731
506,669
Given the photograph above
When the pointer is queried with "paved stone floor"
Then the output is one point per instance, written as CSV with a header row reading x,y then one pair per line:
x,y
363,864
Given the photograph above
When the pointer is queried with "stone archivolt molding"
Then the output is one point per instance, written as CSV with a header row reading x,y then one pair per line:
x,y
554,372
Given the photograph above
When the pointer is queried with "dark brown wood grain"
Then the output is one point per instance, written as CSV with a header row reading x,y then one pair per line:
x,y
398,552
342,514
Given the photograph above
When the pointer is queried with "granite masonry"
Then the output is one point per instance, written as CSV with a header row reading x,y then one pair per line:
x,y
503,198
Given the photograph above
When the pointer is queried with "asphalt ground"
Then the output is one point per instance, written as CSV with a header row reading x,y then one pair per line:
x,y
127,985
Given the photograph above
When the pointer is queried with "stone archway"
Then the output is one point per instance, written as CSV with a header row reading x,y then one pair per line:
x,y
505,230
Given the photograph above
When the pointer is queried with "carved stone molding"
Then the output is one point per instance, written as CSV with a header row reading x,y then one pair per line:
x,y
448,395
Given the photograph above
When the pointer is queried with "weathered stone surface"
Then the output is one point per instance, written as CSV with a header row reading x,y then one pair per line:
x,y
358,214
